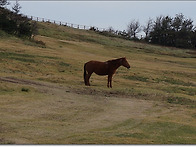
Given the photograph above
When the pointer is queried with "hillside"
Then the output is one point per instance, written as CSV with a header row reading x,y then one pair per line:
x,y
44,100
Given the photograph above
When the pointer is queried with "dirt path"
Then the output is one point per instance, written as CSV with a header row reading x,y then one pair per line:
x,y
26,82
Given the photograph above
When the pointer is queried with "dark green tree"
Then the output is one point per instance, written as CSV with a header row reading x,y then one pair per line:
x,y
16,24
4,3
16,8
177,31
133,29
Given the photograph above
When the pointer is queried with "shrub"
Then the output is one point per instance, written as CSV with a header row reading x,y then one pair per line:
x,y
16,24
25,90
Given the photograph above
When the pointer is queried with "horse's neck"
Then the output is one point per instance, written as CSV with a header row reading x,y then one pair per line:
x,y
116,63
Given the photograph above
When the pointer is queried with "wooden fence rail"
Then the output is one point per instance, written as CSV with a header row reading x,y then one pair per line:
x,y
77,26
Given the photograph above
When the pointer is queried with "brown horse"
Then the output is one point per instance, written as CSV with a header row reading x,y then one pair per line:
x,y
103,68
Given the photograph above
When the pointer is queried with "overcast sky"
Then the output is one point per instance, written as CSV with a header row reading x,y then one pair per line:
x,y
104,14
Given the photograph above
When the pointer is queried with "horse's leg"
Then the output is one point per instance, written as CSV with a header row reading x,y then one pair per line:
x,y
109,81
87,78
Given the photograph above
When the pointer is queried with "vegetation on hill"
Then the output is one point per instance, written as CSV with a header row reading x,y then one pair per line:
x,y
167,31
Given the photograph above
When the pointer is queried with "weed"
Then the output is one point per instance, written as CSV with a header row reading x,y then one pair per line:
x,y
25,89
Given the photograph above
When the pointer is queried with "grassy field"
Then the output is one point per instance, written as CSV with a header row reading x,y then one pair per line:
x,y
43,99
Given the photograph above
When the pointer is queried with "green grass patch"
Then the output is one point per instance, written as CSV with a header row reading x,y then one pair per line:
x,y
147,132
36,43
173,81
11,54
28,58
4,89
170,133
137,78
18,57
182,101
133,135
179,89
23,59
64,64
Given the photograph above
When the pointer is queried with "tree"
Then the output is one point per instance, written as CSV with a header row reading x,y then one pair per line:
x,y
162,32
155,34
133,29
177,22
111,30
184,29
16,8
178,31
193,39
123,34
3,3
16,24
148,28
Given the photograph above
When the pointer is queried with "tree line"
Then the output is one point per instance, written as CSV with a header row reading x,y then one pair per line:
x,y
177,31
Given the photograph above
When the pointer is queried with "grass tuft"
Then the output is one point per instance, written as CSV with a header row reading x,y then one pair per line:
x,y
25,89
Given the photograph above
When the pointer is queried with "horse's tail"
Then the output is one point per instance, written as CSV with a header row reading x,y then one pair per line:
x,y
85,74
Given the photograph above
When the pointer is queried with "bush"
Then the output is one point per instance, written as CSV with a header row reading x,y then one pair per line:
x,y
16,24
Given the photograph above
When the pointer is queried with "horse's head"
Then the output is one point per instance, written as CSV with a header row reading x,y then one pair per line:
x,y
125,63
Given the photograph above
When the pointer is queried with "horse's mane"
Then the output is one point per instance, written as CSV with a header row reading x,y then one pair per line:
x,y
114,60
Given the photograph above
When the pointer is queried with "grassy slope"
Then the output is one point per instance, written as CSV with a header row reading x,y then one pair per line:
x,y
153,102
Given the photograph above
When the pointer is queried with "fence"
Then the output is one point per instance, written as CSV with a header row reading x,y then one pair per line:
x,y
77,26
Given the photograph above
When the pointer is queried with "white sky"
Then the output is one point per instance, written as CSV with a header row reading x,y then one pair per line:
x,y
104,14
